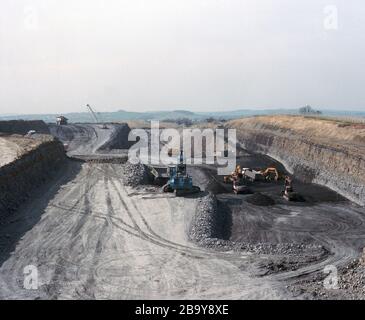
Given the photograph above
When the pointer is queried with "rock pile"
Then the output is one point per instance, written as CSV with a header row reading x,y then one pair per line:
x,y
207,230
204,226
352,279
135,174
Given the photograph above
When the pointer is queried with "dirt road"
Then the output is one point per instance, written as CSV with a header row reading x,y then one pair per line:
x,y
91,237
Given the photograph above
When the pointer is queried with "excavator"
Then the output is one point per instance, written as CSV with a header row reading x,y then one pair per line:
x,y
288,193
271,174
179,181
104,126
237,173
237,180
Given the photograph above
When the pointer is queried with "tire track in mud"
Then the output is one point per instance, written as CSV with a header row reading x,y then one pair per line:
x,y
347,220
105,234
203,254
152,236
66,259
77,267
94,274
176,259
341,254
155,259
87,291
51,231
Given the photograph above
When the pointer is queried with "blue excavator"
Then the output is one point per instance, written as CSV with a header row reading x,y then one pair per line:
x,y
179,181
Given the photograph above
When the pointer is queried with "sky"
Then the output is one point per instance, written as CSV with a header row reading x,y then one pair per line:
x,y
198,55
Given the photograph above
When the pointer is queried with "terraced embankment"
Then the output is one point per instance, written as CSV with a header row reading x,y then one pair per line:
x,y
33,163
84,140
327,152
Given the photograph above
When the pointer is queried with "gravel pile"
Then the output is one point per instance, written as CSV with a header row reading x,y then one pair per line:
x,y
204,224
259,199
352,278
102,159
207,229
312,250
135,174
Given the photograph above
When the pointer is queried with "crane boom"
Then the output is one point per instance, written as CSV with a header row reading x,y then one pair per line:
x,y
92,113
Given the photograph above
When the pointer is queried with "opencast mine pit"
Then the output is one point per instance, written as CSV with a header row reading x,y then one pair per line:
x,y
96,227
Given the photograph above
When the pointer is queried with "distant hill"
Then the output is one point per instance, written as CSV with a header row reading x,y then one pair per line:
x,y
123,115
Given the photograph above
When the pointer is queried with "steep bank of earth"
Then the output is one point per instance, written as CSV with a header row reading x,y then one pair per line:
x,y
327,152
28,164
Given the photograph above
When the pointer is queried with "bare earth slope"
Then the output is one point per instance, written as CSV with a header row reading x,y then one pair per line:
x,y
25,164
91,139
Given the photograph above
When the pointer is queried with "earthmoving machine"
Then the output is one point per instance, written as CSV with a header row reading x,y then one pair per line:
x,y
93,114
61,120
252,175
271,174
239,186
288,192
179,181
160,175
237,173
268,174
237,180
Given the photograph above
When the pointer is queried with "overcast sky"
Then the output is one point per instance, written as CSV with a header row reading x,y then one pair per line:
x,y
201,55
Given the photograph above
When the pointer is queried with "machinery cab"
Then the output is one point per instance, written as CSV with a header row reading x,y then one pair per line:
x,y
179,180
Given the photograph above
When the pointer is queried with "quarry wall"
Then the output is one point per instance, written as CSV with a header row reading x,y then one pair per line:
x,y
334,165
20,177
